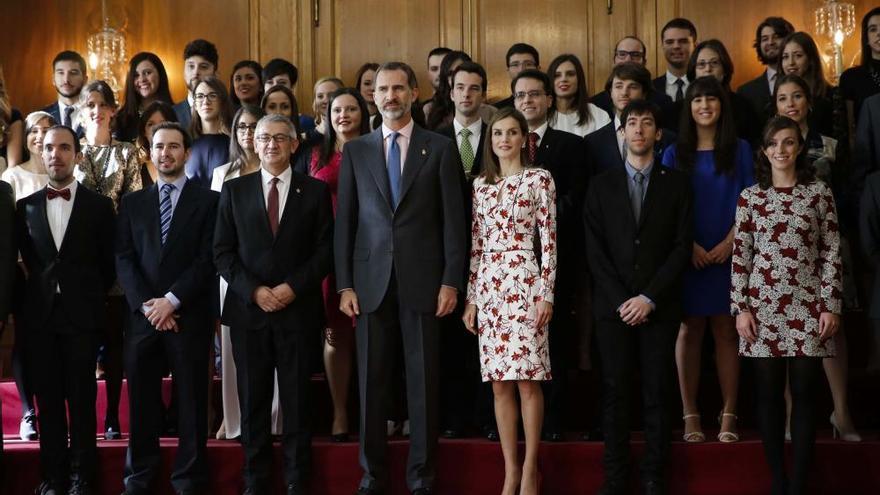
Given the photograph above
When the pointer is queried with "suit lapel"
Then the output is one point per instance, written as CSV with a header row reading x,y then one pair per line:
x,y
151,219
478,160
658,175
622,185
415,158
548,142
376,165
43,233
254,195
291,206
76,216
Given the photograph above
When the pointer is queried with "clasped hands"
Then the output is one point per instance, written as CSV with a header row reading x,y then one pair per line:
x,y
635,310
271,299
160,313
717,255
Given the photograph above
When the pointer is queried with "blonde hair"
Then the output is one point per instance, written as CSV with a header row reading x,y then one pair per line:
x,y
334,80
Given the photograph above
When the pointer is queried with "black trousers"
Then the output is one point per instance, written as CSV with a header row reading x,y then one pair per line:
x,y
419,333
147,352
561,341
623,349
63,361
259,353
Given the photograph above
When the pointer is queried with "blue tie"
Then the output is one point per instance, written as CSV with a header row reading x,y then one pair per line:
x,y
394,169
165,211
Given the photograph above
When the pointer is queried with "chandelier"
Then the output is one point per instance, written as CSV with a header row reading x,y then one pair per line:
x,y
836,21
106,49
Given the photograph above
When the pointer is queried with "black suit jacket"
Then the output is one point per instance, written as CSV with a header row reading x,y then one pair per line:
x,y
866,156
507,102
603,153
757,93
423,240
627,259
184,266
869,228
248,256
449,131
8,249
83,267
659,98
55,111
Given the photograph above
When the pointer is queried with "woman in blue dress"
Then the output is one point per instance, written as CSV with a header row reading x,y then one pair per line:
x,y
720,166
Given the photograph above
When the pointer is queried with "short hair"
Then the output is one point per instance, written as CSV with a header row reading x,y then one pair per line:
x,y
70,56
680,23
164,109
641,107
276,118
440,50
520,48
202,48
254,66
723,56
866,49
631,37
780,26
472,68
175,126
631,71
58,127
279,66
533,74
98,87
410,74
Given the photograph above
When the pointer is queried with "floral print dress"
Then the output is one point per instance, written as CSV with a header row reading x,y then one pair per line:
x,y
507,279
786,268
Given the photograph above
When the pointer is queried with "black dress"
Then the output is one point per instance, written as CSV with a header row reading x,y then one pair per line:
x,y
859,82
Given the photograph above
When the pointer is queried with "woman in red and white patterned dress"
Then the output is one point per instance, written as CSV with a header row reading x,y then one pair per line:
x,y
510,290
786,293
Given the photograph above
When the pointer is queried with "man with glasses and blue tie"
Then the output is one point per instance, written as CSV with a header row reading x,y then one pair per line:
x,y
273,245
164,261
400,264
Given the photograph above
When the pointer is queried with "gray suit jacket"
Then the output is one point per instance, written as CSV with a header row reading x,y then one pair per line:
x,y
422,242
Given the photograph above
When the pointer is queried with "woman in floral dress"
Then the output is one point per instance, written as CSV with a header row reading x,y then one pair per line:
x,y
510,288
786,293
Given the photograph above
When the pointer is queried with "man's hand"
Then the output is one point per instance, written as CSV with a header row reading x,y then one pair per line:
x,y
470,318
284,293
348,303
446,301
635,310
266,299
159,310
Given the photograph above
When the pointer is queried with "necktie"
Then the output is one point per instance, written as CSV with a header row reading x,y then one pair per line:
x,y
165,211
68,113
679,92
466,151
532,148
637,195
394,168
54,193
272,205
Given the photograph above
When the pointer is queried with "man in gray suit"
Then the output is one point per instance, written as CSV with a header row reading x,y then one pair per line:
x,y
400,255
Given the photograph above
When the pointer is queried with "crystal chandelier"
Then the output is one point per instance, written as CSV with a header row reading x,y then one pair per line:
x,y
836,21
106,49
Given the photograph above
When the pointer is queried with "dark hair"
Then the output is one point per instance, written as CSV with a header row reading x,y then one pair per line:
x,y
328,144
581,97
163,108
294,106
491,166
359,75
99,87
680,23
70,56
129,115
472,68
537,75
278,66
806,173
77,147
402,66
724,144
641,107
780,26
440,50
442,107
175,126
644,46
236,152
815,75
866,49
791,79
258,70
631,71
225,115
202,48
723,56
520,48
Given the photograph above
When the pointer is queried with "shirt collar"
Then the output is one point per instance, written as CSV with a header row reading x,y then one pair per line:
x,y
631,171
71,186
541,130
283,177
617,123
771,72
475,127
405,131
178,184
671,78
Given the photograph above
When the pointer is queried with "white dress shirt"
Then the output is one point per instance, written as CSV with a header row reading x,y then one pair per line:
x,y
73,124
284,180
671,87
58,213
402,141
476,128
771,78
568,122
540,131
621,137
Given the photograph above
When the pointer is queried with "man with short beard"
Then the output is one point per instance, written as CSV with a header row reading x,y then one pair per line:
x,y
199,61
768,45
69,77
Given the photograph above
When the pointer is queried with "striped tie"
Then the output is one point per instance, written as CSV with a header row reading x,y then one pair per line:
x,y
165,210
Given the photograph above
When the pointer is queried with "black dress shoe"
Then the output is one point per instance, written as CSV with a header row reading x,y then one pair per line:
x,y
551,436
112,431
294,489
654,487
491,433
340,438
451,433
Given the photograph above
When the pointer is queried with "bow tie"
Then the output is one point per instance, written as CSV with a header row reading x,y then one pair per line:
x,y
52,193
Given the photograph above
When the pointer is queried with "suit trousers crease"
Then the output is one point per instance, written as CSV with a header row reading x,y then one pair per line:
x,y
419,333
649,347
147,351
258,354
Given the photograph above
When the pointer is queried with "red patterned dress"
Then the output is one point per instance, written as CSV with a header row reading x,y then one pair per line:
x,y
506,278
786,268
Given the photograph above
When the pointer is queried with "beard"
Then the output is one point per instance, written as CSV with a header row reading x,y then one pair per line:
x,y
394,114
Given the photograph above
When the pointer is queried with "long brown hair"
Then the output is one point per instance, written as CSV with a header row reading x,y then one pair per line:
x,y
491,166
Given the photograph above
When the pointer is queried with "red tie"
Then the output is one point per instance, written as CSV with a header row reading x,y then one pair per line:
x,y
532,147
54,193
272,206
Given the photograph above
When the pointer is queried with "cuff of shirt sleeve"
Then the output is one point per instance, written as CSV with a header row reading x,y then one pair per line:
x,y
649,301
173,299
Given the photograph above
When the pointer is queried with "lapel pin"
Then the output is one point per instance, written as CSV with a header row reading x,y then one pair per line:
x,y
297,190
424,152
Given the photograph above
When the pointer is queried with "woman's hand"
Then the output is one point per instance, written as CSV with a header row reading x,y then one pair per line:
x,y
747,327
545,312
829,324
469,318
721,253
700,258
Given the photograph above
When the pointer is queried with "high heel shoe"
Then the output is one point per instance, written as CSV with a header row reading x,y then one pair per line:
x,y
846,436
695,436
727,436
539,481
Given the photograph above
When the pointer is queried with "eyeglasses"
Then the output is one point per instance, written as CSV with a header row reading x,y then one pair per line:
x,y
630,55
246,127
531,94
200,97
526,64
278,138
711,64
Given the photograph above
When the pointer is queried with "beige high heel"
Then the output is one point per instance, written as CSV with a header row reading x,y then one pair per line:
x,y
696,436
846,436
727,436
